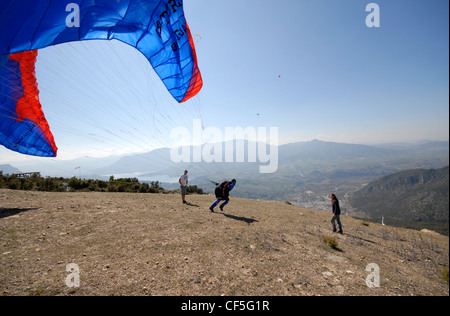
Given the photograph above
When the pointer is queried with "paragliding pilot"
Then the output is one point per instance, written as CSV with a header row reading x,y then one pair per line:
x,y
222,194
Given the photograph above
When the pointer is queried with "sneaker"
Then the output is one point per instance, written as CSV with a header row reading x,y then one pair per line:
x,y
221,208
211,209
334,230
340,232
184,202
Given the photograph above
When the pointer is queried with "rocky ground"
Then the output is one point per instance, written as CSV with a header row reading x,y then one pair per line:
x,y
151,244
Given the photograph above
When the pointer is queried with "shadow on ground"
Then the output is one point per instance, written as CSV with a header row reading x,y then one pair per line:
x,y
242,219
7,212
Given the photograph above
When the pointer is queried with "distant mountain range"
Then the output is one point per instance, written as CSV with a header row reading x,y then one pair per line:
x,y
409,198
8,169
300,165
298,158
307,171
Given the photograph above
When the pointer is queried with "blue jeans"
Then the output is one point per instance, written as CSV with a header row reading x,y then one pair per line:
x,y
334,219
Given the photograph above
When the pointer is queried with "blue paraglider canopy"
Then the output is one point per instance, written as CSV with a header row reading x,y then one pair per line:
x,y
157,28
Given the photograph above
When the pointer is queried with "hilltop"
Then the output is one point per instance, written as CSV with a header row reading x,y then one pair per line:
x,y
151,244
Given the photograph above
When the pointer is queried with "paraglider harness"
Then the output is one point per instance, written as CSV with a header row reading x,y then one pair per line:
x,y
223,190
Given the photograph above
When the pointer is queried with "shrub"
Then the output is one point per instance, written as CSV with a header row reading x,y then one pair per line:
x,y
444,274
37,183
194,189
331,242
15,184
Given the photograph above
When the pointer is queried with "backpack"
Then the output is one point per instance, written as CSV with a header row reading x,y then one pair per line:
x,y
223,189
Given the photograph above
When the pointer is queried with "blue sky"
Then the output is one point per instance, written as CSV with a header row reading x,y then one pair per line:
x,y
312,68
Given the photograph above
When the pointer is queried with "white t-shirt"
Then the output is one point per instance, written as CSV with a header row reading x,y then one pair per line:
x,y
184,180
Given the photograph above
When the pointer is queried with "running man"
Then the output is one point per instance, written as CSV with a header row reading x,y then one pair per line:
x,y
223,194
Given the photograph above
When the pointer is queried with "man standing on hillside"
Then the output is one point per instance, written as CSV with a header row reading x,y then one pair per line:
x,y
184,181
336,214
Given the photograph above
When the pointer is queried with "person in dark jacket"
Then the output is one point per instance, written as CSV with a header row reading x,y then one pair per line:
x,y
223,194
336,214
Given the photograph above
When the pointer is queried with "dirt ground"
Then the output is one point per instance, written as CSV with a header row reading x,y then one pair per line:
x,y
152,244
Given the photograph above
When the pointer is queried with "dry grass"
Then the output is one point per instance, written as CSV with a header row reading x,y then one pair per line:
x,y
144,244
331,242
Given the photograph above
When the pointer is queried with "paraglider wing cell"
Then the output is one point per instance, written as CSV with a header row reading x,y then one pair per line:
x,y
23,127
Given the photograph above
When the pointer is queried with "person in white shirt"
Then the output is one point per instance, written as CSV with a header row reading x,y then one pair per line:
x,y
184,181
